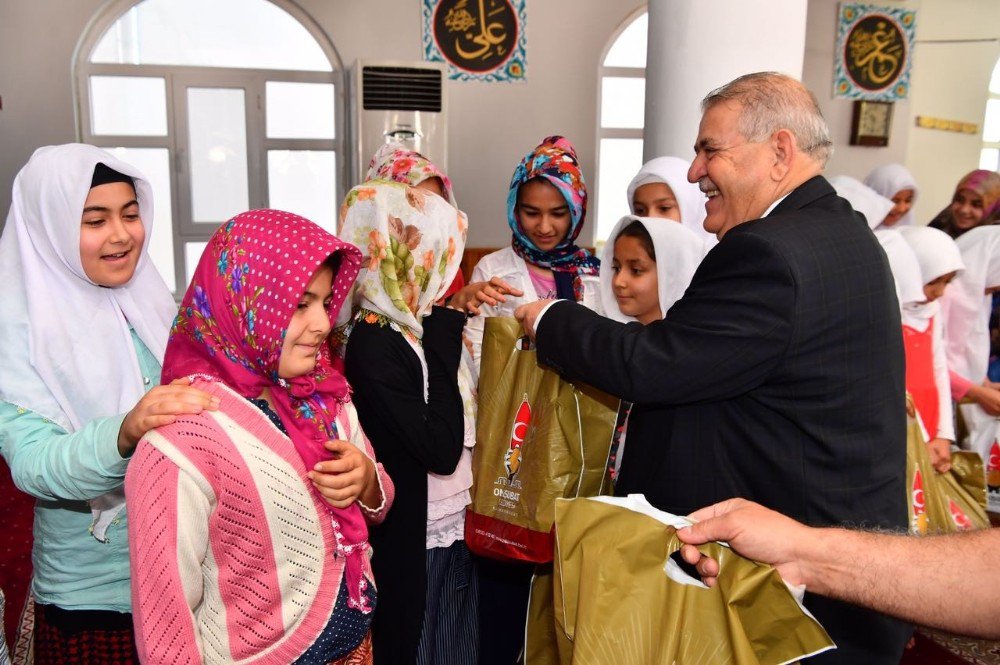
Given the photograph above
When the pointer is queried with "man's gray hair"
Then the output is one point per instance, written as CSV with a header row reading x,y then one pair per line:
x,y
771,101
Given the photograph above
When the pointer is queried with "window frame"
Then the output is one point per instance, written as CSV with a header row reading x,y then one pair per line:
x,y
992,95
612,132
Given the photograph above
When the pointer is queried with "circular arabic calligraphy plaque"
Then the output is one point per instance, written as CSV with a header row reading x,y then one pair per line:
x,y
875,52
475,35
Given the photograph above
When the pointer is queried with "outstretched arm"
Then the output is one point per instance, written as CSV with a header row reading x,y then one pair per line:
x,y
49,463
949,582
728,333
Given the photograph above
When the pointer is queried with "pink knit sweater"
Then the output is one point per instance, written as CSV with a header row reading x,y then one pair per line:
x,y
233,556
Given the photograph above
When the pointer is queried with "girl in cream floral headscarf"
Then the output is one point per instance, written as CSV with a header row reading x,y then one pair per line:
x,y
415,393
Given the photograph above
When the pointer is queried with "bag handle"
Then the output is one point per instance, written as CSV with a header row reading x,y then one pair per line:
x,y
579,429
524,343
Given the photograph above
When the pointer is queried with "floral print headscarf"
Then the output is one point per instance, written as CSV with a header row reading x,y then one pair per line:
x,y
554,160
232,323
413,243
394,162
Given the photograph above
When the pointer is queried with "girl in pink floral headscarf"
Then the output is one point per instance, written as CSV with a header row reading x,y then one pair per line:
x,y
394,162
976,202
250,523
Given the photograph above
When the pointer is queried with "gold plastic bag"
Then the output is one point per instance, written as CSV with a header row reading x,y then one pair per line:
x,y
943,502
618,599
967,470
538,438
983,437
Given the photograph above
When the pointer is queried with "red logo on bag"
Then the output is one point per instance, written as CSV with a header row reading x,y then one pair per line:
x,y
518,432
958,516
919,510
993,468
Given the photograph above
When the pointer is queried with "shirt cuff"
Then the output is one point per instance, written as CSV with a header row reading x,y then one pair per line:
x,y
538,319
109,460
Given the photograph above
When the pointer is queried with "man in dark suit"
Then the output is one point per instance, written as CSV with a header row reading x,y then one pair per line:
x,y
779,376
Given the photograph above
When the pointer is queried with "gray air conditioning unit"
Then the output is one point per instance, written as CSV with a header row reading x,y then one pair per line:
x,y
401,101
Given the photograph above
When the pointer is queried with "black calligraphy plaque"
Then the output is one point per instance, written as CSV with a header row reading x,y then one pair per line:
x,y
875,52
475,35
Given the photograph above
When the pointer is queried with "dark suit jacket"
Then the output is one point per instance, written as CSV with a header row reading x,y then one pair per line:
x,y
778,377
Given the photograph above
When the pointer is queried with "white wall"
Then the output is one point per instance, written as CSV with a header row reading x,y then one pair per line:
x,y
493,125
950,80
821,37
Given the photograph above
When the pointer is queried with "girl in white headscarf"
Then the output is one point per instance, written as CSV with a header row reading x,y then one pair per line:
x,y
897,184
646,266
967,307
968,303
926,360
84,319
661,189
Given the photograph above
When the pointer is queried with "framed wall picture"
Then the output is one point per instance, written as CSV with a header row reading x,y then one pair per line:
x,y
871,123
872,59
480,40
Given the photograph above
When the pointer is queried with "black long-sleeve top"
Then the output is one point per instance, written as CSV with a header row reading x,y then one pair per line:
x,y
411,438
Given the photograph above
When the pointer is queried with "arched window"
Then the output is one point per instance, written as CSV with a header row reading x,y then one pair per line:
x,y
225,105
989,158
621,111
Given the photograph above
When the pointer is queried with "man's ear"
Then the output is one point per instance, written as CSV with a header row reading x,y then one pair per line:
x,y
784,147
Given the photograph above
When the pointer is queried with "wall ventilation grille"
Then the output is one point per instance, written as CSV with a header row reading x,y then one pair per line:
x,y
401,89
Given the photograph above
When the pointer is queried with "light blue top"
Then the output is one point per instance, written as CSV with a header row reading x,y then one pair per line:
x,y
63,471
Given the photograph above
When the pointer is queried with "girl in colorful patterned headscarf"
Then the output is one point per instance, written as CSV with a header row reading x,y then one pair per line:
x,y
552,165
251,521
546,208
416,401
976,202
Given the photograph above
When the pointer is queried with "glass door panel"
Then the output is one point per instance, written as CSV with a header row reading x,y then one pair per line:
x,y
217,153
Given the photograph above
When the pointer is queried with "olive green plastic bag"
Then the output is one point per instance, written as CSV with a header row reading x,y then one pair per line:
x,y
617,600
943,502
982,436
538,438
968,473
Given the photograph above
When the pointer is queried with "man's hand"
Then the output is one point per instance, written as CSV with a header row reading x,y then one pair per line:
x,y
528,315
161,406
752,531
473,296
345,478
